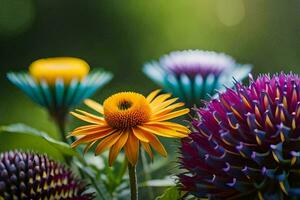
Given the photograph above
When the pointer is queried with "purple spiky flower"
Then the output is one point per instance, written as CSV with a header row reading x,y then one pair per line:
x,y
246,143
32,176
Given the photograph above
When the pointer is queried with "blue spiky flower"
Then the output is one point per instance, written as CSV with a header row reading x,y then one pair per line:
x,y
193,75
59,84
26,176
246,143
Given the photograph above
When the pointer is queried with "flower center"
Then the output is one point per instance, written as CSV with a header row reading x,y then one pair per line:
x,y
66,68
126,109
124,105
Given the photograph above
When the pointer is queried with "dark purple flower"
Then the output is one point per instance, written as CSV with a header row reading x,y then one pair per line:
x,y
32,176
246,143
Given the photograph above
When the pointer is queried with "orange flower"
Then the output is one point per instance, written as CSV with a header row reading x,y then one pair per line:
x,y
127,120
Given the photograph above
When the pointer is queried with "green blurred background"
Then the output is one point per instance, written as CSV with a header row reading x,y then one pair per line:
x,y
121,35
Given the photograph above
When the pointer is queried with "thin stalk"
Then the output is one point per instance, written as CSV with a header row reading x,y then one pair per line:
x,y
60,121
133,181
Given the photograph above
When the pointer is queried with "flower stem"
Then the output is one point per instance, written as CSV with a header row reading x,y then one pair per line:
x,y
133,181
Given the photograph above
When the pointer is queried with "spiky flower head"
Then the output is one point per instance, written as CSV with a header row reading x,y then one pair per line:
x,y
193,75
60,83
246,143
26,175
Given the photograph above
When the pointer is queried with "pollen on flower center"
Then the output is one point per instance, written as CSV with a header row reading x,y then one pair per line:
x,y
126,109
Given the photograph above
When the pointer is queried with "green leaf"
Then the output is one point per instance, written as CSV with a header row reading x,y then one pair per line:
x,y
29,138
171,193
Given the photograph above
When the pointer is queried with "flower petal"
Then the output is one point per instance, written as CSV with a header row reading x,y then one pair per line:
x,y
159,99
115,149
170,115
164,104
167,109
139,134
164,132
147,148
155,143
172,125
91,115
91,130
151,96
94,105
132,149
88,146
89,138
86,119
107,142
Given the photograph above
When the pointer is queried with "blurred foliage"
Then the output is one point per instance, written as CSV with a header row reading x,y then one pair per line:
x,y
121,35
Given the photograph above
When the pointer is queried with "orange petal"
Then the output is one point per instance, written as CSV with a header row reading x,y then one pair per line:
x,y
86,127
89,138
91,115
94,105
139,134
147,148
90,131
107,142
88,146
153,94
116,148
86,119
171,115
132,149
155,143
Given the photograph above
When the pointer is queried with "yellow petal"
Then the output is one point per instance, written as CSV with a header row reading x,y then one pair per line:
x,y
107,143
91,115
139,135
168,109
91,130
153,94
172,125
171,115
162,132
116,148
85,127
155,143
94,105
147,148
89,138
132,149
86,119
164,104
159,99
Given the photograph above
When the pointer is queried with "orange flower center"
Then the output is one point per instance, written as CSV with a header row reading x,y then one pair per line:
x,y
126,109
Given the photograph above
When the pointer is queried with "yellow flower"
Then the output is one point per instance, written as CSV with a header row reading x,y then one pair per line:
x,y
128,119
66,68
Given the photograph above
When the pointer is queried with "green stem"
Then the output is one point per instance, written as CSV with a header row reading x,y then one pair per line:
x,y
60,121
133,182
